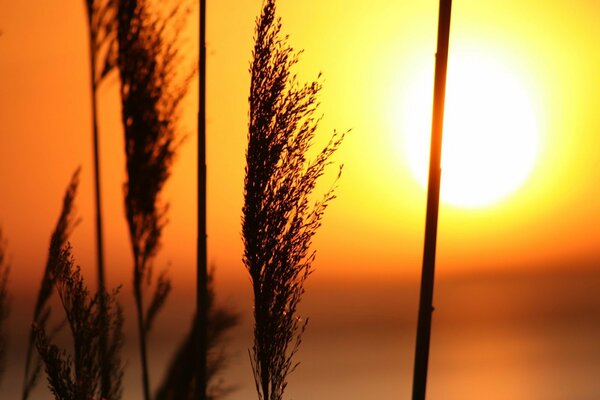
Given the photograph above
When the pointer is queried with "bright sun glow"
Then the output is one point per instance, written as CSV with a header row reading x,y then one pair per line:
x,y
490,141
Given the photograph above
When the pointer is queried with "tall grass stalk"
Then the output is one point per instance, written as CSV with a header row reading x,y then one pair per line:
x,y
202,252
42,311
279,219
151,94
4,304
426,308
101,30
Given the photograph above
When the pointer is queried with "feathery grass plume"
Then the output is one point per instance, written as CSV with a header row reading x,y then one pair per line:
x,y
279,220
102,41
102,51
4,304
180,379
78,376
151,93
41,314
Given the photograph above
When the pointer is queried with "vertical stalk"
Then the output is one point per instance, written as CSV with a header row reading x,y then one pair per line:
x,y
433,200
139,304
201,284
97,195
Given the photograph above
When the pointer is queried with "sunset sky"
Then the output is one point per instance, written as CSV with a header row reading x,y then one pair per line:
x,y
370,53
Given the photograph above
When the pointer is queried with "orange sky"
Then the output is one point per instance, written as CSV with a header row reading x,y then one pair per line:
x,y
376,223
365,50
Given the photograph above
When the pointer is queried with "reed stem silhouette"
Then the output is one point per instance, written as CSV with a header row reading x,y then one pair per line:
x,y
4,304
41,314
202,295
151,94
279,220
101,24
433,200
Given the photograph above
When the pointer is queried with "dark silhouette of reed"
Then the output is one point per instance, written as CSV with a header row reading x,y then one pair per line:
x,y
151,94
41,314
78,376
433,201
4,304
101,30
180,379
279,219
201,253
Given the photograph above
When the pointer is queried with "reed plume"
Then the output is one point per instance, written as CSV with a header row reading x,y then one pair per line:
x,y
279,219
102,41
41,314
151,94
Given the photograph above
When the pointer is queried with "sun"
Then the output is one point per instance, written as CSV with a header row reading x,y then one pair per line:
x,y
490,140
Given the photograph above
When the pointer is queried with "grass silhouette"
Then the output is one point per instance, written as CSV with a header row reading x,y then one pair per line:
x,y
78,376
180,380
279,220
202,274
433,199
151,94
42,311
101,28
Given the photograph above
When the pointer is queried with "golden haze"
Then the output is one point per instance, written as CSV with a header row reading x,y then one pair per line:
x,y
362,49
373,231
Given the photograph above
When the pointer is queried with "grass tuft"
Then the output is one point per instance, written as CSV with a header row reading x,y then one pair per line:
x,y
78,376
41,315
179,382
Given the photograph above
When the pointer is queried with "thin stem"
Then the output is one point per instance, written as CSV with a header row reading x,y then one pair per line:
x,y
139,305
433,200
201,284
97,197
